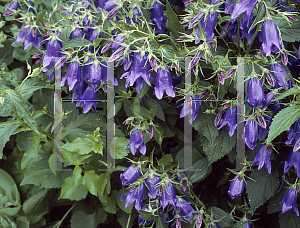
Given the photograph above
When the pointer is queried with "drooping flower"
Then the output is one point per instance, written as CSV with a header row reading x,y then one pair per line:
x,y
136,142
153,186
139,69
255,92
240,7
236,187
14,5
263,157
107,5
279,74
163,83
292,160
158,17
195,59
94,73
168,195
135,194
267,100
251,132
130,175
87,100
73,75
26,38
77,33
186,210
270,38
289,201
218,117
190,106
80,87
230,120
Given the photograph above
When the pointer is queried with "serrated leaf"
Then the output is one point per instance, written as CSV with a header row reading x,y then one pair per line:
x,y
160,223
103,181
204,123
79,145
31,154
117,146
77,42
6,55
6,130
77,175
90,180
173,22
292,91
288,33
166,160
65,33
263,188
150,102
222,146
202,166
219,214
70,191
260,14
282,121
289,219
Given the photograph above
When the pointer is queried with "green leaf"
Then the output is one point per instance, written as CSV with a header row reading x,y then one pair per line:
x,y
202,165
72,192
39,204
150,102
22,222
207,127
22,55
173,22
146,215
167,51
260,14
289,219
9,190
6,130
79,145
111,207
222,146
77,42
282,121
144,89
293,91
166,160
90,180
103,181
40,15
6,52
288,33
117,146
65,33
40,175
77,175
20,105
263,188
31,154
219,214
160,223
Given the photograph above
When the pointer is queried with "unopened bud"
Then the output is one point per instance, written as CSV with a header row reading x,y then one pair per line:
x,y
203,94
199,220
194,21
284,58
142,133
291,18
297,145
39,61
150,131
234,38
113,13
127,122
61,62
183,38
104,88
37,55
230,73
261,121
218,117
184,184
62,8
117,54
196,59
270,79
153,63
178,222
160,191
226,106
106,47
227,25
221,77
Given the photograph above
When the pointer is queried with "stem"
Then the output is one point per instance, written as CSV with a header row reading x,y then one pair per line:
x,y
222,38
200,202
252,41
127,226
60,222
227,34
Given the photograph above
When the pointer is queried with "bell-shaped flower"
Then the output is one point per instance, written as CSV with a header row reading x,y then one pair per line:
x,y
140,68
32,9
163,83
255,92
292,160
279,74
186,210
14,5
73,74
241,7
130,175
77,33
267,100
263,157
94,74
190,106
168,195
270,38
230,120
251,132
236,187
289,200
152,185
158,17
208,27
136,142
107,5
80,87
135,194
136,12
27,38
87,100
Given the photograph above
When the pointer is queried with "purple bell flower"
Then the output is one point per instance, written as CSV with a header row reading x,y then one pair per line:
x,y
279,74
73,75
139,69
26,38
94,74
136,12
267,101
135,194
153,186
168,195
80,87
255,92
163,83
77,33
292,160
130,175
230,120
270,38
289,200
31,9
190,106
241,7
236,187
88,96
251,132
208,27
157,16
263,157
293,134
14,5
136,142
186,210
107,5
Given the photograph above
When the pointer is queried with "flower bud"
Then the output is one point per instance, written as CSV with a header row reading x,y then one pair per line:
x,y
63,8
113,13
203,94
194,21
142,134
230,73
178,222
218,117
267,101
104,88
39,61
184,184
261,121
106,47
37,55
153,63
221,77
270,79
182,38
284,58
61,61
226,106
227,25
127,122
117,54
199,220
150,131
296,146
291,18
196,59
160,191
234,38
